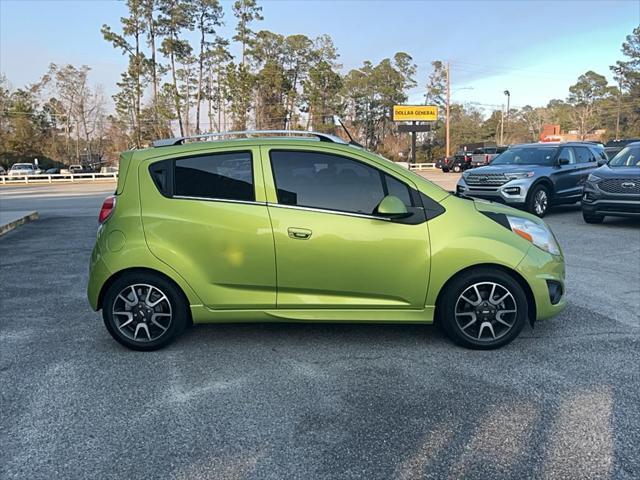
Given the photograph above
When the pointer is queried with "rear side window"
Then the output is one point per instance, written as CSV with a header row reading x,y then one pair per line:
x,y
225,176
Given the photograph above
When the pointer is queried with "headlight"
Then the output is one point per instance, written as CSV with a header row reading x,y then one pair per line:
x,y
519,175
539,235
593,178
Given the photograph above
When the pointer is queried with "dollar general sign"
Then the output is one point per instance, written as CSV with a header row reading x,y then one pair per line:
x,y
415,113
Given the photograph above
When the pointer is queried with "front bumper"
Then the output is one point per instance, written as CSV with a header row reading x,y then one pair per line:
x,y
597,202
545,274
513,192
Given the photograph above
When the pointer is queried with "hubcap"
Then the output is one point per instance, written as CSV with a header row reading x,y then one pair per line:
x,y
142,312
486,311
540,202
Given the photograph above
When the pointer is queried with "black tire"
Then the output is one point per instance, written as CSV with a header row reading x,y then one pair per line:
x,y
178,310
534,198
457,168
445,169
592,218
465,335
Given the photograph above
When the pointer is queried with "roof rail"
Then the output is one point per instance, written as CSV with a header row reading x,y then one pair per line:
x,y
323,137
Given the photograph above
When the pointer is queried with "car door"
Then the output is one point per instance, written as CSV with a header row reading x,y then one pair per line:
x,y
586,163
332,251
205,215
564,176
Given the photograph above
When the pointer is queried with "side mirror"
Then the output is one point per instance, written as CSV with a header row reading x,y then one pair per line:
x,y
602,161
563,161
392,207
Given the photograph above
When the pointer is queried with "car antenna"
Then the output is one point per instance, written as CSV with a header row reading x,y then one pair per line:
x,y
337,121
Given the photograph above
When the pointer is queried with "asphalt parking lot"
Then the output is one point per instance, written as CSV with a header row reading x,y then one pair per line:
x,y
295,401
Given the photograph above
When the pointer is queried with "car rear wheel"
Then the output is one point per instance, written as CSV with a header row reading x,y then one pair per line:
x,y
539,201
483,309
592,218
144,311
457,168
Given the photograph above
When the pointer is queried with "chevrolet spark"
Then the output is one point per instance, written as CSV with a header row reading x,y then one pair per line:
x,y
306,227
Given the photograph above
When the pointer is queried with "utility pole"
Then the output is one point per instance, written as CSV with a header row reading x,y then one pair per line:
x,y
446,125
508,94
618,116
502,125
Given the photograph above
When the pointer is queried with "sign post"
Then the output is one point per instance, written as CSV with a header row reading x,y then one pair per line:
x,y
414,114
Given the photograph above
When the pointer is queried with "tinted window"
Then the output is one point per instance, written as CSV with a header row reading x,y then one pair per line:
x,y
160,175
321,180
226,176
398,189
526,156
584,155
567,153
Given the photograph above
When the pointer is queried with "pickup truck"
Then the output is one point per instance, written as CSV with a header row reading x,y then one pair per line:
x,y
483,156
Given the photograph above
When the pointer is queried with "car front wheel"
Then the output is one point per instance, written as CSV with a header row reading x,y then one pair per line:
x,y
483,309
144,311
539,201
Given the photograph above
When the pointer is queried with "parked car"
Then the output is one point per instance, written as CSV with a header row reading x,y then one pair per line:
x,y
52,171
614,188
439,163
535,176
352,236
460,162
2,170
483,156
22,169
613,147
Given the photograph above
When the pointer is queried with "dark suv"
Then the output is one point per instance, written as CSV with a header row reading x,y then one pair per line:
x,y
460,162
535,175
614,189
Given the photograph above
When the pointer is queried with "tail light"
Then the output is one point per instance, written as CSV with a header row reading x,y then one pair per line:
x,y
108,206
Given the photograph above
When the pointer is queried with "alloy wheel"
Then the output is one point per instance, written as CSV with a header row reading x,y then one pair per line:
x,y
486,311
142,312
540,202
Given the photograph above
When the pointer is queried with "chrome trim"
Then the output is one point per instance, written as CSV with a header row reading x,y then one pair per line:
x,y
323,137
322,210
223,200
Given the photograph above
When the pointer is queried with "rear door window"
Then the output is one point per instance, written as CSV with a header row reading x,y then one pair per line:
x,y
223,176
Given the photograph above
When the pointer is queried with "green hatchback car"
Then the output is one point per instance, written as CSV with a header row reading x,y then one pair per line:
x,y
305,227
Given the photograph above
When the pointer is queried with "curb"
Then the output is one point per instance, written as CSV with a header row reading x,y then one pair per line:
x,y
7,227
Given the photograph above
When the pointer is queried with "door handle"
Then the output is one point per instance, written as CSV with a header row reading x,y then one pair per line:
x,y
299,233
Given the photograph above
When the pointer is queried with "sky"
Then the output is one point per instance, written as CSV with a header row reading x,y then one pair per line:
x,y
534,49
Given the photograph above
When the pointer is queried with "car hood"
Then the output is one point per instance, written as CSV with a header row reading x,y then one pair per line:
x,y
489,206
617,172
505,168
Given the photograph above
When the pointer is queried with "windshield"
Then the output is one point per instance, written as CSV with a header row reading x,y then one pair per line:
x,y
526,156
22,166
628,157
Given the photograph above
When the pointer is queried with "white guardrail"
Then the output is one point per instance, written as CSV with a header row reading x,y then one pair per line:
x,y
113,176
421,166
58,177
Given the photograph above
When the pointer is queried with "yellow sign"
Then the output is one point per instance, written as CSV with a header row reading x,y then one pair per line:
x,y
415,113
